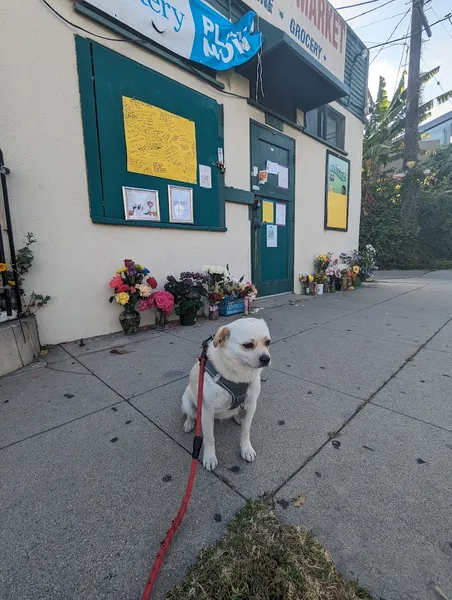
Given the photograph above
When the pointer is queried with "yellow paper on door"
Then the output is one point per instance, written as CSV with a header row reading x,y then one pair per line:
x,y
267,212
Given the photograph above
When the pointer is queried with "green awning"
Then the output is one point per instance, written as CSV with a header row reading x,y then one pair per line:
x,y
290,75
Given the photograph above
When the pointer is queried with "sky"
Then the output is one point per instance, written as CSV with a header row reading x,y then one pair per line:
x,y
372,29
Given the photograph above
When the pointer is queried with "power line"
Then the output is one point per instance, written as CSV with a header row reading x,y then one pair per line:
x,y
436,79
357,5
389,38
380,21
446,18
369,11
443,26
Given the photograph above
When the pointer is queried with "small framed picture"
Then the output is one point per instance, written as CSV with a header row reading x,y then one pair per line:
x,y
180,204
141,204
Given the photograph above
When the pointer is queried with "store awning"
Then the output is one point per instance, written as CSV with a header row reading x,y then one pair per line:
x,y
291,73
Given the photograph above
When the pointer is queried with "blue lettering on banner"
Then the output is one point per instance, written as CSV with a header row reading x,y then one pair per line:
x,y
306,40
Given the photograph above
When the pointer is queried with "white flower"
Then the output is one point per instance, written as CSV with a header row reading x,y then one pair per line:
x,y
145,290
213,269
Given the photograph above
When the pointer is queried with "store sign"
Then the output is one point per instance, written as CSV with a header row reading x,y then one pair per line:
x,y
313,24
190,28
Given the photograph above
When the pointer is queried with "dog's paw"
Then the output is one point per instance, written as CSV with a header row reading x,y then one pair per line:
x,y
237,419
210,462
189,424
248,453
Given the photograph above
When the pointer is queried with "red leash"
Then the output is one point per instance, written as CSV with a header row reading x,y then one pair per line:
x,y
197,443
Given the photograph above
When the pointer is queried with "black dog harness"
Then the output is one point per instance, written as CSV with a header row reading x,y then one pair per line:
x,y
236,390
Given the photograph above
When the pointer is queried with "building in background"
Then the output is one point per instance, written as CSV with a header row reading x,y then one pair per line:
x,y
437,130
167,133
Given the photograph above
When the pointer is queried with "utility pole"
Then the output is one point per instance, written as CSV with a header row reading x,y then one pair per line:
x,y
411,146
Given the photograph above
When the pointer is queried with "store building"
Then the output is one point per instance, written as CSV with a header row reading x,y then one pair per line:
x,y
120,146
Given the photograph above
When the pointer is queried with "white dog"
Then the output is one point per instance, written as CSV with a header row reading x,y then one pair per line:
x,y
232,381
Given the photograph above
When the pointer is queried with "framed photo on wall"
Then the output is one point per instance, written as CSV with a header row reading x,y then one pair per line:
x,y
337,192
180,204
141,204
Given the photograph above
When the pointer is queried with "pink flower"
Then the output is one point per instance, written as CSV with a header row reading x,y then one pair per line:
x,y
164,300
152,282
123,288
116,281
146,303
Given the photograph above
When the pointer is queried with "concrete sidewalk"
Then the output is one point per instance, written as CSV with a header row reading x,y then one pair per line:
x,y
355,415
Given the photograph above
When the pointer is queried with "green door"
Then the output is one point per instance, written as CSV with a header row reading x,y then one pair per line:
x,y
272,223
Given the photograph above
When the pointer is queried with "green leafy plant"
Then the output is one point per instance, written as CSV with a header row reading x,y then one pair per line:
x,y
188,291
24,262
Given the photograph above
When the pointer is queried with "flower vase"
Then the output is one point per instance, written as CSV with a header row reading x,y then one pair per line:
x,y
247,305
319,289
303,288
344,283
130,319
337,283
161,319
332,284
358,281
214,312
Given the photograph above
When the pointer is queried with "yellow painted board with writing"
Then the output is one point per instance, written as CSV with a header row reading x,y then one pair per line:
x,y
159,143
337,210
267,212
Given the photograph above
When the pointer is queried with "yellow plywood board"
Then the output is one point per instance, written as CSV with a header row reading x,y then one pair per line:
x,y
337,210
159,143
267,212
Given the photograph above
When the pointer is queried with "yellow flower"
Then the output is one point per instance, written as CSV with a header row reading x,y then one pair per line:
x,y
122,298
3,267
121,270
356,269
11,282
139,267
310,278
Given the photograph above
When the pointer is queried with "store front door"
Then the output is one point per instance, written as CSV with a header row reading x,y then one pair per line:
x,y
272,223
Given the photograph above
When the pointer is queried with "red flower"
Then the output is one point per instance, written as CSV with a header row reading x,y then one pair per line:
x,y
116,281
123,288
152,282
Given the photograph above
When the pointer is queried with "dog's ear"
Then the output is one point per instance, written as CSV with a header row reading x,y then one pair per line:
x,y
221,337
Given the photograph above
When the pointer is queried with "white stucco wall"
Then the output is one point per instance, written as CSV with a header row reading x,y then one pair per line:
x,y
42,139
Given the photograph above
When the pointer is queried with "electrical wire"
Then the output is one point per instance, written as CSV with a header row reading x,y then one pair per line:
x,y
389,38
436,79
446,18
357,5
443,26
71,24
369,11
375,23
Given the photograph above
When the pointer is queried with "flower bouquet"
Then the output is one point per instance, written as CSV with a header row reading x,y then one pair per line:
x,y
306,281
129,290
249,294
320,280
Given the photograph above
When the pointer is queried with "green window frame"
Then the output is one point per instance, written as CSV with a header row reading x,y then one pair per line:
x,y
105,151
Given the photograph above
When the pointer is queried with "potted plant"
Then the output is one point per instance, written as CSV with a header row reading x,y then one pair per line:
x,y
129,289
188,292
214,275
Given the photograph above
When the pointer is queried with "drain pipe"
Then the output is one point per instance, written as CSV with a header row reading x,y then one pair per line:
x,y
4,171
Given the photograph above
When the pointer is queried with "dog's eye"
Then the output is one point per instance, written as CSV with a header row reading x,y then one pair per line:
x,y
248,346
267,343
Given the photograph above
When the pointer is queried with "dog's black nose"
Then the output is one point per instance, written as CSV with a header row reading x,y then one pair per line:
x,y
264,359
